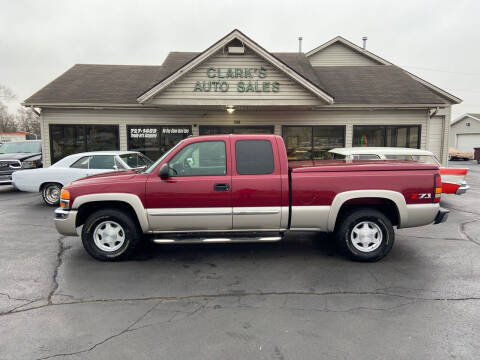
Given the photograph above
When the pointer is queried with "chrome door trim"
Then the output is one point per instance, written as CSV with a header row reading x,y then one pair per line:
x,y
189,211
256,210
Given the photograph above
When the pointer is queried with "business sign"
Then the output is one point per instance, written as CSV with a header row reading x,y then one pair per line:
x,y
143,133
240,80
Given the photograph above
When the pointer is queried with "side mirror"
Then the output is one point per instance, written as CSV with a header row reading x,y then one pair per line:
x,y
163,172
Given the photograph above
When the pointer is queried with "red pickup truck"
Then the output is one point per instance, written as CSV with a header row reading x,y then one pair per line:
x,y
240,188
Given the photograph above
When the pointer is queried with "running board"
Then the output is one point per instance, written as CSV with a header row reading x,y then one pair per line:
x,y
207,240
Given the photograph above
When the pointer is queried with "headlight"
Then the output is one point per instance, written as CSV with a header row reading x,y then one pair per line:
x,y
29,164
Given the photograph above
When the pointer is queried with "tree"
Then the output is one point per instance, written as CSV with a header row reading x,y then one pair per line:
x,y
24,120
7,120
28,121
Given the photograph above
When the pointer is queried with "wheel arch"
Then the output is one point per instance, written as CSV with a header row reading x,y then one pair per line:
x,y
395,205
86,204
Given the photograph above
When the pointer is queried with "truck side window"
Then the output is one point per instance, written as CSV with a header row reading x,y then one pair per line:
x,y
254,157
200,158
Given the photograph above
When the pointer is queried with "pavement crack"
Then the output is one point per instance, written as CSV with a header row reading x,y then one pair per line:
x,y
120,333
9,297
59,261
235,294
464,233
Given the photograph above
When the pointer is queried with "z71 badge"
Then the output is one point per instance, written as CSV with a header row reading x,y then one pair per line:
x,y
421,196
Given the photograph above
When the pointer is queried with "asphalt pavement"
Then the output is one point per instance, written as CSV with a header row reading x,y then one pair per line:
x,y
297,299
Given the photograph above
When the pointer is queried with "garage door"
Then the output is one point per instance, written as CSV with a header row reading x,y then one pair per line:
x,y
466,142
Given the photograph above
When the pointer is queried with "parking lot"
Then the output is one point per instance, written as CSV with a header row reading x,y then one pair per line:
x,y
292,300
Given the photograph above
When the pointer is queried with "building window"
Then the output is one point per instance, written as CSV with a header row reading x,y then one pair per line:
x,y
153,141
392,136
222,129
71,139
312,142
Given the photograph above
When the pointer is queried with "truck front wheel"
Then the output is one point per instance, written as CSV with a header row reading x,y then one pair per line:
x,y
365,235
110,235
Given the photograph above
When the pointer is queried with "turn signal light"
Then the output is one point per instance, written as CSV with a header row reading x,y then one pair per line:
x,y
64,199
437,190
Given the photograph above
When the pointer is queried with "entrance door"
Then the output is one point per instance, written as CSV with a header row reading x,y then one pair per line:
x,y
256,183
239,129
197,194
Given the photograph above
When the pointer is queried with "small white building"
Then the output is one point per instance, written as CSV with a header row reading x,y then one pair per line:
x,y
465,132
335,95
12,136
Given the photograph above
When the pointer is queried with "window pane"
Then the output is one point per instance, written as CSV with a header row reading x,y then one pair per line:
x,y
66,140
102,162
427,159
102,137
81,163
326,138
298,141
402,137
254,157
398,157
413,139
202,158
153,140
365,157
216,130
369,136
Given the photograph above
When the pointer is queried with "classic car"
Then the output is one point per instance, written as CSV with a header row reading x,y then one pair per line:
x,y
50,180
453,179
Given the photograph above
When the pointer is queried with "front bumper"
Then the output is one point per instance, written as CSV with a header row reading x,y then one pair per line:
x,y
463,188
5,179
442,216
65,221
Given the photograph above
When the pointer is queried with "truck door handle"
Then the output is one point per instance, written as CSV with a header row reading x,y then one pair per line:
x,y
221,187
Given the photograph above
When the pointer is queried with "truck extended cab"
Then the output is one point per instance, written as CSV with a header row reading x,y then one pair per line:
x,y
239,188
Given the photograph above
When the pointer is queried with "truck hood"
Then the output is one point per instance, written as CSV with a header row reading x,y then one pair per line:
x,y
19,156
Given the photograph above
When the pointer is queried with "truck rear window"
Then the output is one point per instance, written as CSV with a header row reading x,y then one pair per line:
x,y
254,157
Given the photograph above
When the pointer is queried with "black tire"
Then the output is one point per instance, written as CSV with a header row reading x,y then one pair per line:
x,y
131,232
51,193
367,216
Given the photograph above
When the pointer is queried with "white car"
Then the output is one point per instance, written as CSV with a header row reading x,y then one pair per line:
x,y
49,181
453,179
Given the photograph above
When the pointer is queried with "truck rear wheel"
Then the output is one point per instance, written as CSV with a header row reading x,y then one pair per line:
x,y
110,235
365,235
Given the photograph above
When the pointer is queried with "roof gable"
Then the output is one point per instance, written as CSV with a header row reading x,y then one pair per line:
x,y
466,116
335,42
259,51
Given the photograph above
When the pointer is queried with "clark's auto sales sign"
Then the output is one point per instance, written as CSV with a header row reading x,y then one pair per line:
x,y
240,80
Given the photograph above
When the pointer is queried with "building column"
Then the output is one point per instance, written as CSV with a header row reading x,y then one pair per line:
x,y
122,133
277,130
348,135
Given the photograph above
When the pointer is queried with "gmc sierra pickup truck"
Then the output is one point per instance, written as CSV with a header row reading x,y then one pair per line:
x,y
240,188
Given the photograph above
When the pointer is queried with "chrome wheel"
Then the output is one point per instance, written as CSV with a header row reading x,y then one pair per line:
x,y
366,236
109,236
51,194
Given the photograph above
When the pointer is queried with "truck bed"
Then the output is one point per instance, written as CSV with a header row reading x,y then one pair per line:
x,y
301,166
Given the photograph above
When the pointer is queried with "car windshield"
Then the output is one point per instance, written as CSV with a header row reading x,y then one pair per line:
x,y
21,147
136,160
155,164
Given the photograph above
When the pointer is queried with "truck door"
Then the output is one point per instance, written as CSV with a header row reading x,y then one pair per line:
x,y
256,184
197,194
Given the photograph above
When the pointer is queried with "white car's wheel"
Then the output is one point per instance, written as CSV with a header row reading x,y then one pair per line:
x,y
51,193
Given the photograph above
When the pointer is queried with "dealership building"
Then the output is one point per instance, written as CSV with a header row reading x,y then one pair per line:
x,y
336,95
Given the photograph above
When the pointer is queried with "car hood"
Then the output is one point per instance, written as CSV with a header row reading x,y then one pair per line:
x,y
106,176
18,156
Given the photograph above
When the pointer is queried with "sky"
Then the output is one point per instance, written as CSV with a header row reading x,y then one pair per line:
x,y
39,40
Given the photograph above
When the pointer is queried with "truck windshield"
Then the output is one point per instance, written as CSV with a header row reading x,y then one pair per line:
x,y
21,147
155,164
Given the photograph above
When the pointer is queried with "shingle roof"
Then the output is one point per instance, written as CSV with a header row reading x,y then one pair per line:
x,y
123,84
374,85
